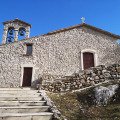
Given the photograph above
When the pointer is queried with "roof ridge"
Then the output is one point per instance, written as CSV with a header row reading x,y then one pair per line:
x,y
85,25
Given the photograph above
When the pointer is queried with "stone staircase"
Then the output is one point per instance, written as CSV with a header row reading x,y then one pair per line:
x,y
23,104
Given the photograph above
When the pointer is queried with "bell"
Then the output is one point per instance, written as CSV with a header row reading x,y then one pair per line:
x,y
10,32
21,33
9,39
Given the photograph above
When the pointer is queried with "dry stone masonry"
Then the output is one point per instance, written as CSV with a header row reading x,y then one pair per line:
x,y
88,78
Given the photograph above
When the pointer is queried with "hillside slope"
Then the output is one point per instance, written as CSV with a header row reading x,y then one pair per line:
x,y
82,105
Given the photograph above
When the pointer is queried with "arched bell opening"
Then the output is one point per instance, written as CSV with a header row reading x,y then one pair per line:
x,y
10,35
21,33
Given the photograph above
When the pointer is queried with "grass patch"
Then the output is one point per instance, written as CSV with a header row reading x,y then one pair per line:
x,y
81,106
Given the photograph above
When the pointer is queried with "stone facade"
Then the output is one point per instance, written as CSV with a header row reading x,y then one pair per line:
x,y
58,54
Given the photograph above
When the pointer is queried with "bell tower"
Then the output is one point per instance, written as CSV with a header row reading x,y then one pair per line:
x,y
14,30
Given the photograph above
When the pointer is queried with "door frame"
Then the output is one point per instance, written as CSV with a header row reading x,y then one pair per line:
x,y
94,55
22,72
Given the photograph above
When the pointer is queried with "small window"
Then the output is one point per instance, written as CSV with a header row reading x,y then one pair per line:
x,y
29,49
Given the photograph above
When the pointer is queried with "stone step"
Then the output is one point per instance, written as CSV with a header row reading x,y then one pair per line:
x,y
24,88
19,95
20,98
19,92
23,103
24,109
26,116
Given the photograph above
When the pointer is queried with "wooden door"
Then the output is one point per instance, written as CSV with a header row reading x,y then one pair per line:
x,y
88,60
27,76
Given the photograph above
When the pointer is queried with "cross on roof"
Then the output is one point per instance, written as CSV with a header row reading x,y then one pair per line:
x,y
83,20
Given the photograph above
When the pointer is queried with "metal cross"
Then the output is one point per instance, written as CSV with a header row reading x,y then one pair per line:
x,y
83,20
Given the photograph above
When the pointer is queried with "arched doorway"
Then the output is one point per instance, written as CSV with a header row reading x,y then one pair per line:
x,y
88,60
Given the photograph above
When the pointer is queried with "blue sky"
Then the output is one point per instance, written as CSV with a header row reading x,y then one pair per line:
x,y
49,15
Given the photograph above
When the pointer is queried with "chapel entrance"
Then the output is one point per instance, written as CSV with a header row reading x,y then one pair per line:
x,y
88,60
27,77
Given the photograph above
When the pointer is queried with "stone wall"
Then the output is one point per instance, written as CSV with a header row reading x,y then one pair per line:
x,y
57,54
88,78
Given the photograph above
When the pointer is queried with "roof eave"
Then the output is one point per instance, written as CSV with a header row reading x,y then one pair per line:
x,y
16,20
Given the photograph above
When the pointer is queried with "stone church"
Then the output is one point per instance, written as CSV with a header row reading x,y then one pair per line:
x,y
24,59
